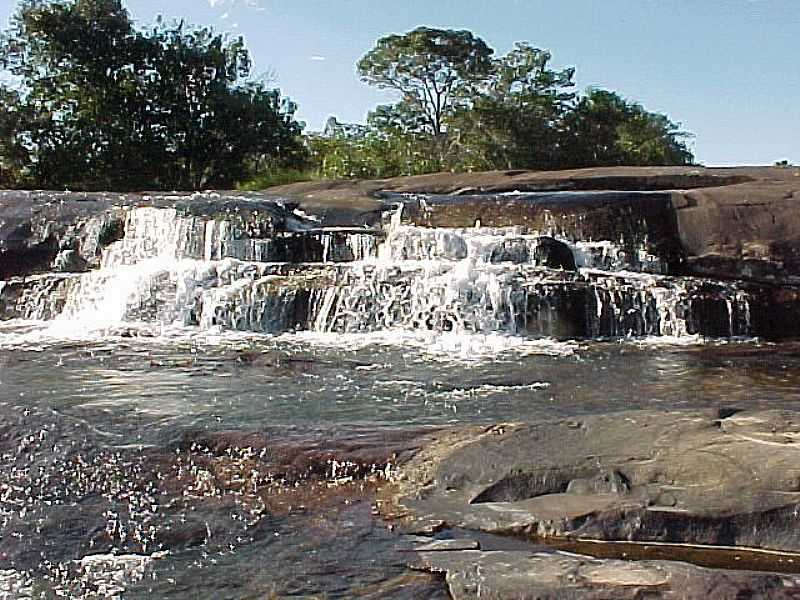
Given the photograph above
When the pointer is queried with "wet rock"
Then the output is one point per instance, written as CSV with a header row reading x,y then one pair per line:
x,y
559,576
726,479
68,231
553,254
69,261
449,545
775,311
35,297
514,251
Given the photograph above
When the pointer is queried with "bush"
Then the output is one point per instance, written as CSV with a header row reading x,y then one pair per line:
x,y
275,177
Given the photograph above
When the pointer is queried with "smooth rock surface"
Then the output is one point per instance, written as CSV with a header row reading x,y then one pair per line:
x,y
519,575
730,479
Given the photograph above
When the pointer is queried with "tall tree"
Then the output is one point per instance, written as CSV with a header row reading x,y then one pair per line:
x,y
512,121
511,112
434,70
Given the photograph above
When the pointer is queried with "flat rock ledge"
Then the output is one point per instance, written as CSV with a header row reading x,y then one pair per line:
x,y
722,479
519,575
737,223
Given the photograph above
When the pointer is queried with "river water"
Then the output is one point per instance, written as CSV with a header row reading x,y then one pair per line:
x,y
156,441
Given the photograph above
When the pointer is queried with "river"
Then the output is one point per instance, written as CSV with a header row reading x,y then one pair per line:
x,y
180,427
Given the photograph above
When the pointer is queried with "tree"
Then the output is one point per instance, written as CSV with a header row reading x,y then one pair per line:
x,y
605,129
112,107
212,126
468,112
434,70
513,120
67,56
13,153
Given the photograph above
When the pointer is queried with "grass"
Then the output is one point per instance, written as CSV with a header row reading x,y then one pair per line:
x,y
276,177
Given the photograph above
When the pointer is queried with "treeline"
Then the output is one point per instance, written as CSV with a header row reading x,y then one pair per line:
x,y
92,102
99,104
460,109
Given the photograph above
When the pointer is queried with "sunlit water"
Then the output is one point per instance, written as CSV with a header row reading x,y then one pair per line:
x,y
82,423
163,436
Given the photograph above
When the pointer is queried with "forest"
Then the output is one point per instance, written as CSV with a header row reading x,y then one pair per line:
x,y
91,102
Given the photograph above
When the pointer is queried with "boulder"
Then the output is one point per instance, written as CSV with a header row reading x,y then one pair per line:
x,y
553,254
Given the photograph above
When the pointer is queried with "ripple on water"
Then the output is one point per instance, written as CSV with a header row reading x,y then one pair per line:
x,y
122,445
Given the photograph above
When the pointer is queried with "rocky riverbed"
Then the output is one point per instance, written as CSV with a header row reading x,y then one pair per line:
x,y
579,384
719,488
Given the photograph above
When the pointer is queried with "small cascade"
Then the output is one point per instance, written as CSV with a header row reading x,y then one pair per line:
x,y
260,300
142,292
511,244
37,298
232,272
528,301
164,232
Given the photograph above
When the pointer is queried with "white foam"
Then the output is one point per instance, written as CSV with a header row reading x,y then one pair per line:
x,y
15,585
489,390
439,286
440,345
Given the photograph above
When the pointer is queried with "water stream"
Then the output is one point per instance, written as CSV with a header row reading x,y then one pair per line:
x,y
207,414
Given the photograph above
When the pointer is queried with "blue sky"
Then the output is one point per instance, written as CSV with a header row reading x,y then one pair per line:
x,y
727,70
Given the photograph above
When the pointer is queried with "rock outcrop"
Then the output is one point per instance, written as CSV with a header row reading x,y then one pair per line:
x,y
500,575
739,223
726,479
639,504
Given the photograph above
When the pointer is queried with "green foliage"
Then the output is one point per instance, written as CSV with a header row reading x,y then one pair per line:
x,y
461,110
605,129
276,176
513,121
13,153
376,151
107,106
433,69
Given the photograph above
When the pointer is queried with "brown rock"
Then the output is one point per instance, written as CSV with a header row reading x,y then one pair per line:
x,y
518,575
729,479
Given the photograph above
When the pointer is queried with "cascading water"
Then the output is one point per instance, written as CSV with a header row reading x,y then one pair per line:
x,y
155,439
228,271
220,272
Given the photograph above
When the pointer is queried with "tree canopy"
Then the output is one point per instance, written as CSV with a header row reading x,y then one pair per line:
x,y
460,108
605,129
93,102
101,104
433,70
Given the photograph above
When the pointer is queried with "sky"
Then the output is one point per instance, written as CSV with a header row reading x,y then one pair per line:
x,y
727,70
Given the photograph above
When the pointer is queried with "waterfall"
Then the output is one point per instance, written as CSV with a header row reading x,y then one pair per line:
x,y
226,271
